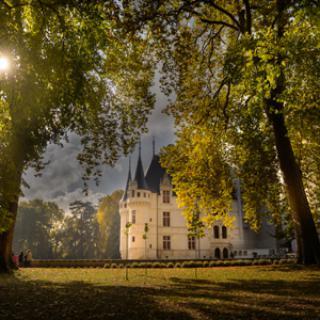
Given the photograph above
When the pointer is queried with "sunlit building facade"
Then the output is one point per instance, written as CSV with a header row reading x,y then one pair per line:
x,y
153,227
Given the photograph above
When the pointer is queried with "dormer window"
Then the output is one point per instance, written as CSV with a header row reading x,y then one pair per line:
x,y
166,196
132,193
138,194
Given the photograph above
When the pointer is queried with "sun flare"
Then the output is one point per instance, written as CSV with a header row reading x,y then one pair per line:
x,y
4,64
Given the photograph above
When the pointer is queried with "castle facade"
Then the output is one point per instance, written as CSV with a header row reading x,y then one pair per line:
x,y
153,227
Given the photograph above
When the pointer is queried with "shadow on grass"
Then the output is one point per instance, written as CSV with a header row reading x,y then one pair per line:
x,y
256,299
184,299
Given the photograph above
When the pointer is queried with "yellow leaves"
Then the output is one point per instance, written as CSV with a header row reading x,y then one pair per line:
x,y
200,176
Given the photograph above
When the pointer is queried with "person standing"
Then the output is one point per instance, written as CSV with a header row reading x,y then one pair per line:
x,y
21,259
28,258
15,260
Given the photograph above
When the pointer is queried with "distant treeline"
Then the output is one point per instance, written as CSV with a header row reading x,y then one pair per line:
x,y
86,232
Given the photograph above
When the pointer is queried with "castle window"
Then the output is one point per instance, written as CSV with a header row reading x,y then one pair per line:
x,y
150,220
217,253
133,216
144,194
245,252
225,253
166,243
166,219
133,238
240,253
132,193
125,205
166,196
192,243
138,194
150,246
224,232
216,232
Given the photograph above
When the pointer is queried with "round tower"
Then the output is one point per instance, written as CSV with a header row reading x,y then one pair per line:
x,y
134,215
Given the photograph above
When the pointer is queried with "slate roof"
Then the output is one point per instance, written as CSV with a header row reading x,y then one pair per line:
x,y
139,178
154,174
125,194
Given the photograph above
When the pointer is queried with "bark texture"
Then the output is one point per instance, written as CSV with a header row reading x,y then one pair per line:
x,y
307,236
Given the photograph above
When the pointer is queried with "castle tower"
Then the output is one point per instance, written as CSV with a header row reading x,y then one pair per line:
x,y
135,214
154,227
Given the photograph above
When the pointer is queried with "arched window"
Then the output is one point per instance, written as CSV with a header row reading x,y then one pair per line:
x,y
225,253
217,253
224,232
216,232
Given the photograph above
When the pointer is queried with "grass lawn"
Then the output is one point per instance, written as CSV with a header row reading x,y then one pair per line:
x,y
266,292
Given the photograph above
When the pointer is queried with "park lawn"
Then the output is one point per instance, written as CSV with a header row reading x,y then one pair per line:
x,y
265,292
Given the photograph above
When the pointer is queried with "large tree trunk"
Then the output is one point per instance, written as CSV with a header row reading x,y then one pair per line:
x,y
6,239
306,232
309,251
10,192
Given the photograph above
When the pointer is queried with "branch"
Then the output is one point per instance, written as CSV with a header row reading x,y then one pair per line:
x,y
226,103
230,15
215,22
249,16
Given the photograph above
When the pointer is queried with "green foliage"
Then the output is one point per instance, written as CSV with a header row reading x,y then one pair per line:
x,y
78,235
109,225
74,68
226,61
36,227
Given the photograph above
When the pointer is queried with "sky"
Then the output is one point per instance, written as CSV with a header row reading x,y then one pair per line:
x,y
61,179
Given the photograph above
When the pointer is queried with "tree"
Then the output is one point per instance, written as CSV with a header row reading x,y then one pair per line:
x,y
109,225
35,228
246,73
74,69
126,231
79,234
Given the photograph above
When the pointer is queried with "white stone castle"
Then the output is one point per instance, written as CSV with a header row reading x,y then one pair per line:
x,y
153,227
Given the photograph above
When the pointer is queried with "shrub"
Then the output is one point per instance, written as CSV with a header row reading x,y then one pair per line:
x,y
133,265
113,265
265,261
170,265
177,265
283,261
188,264
106,265
219,263
156,265
212,263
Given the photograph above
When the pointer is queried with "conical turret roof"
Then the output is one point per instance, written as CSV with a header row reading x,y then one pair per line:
x,y
139,178
155,174
125,194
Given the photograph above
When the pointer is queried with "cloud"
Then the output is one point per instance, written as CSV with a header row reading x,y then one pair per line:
x,y
61,180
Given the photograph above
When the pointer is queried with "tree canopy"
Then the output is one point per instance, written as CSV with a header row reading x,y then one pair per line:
x,y
108,218
245,75
74,68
